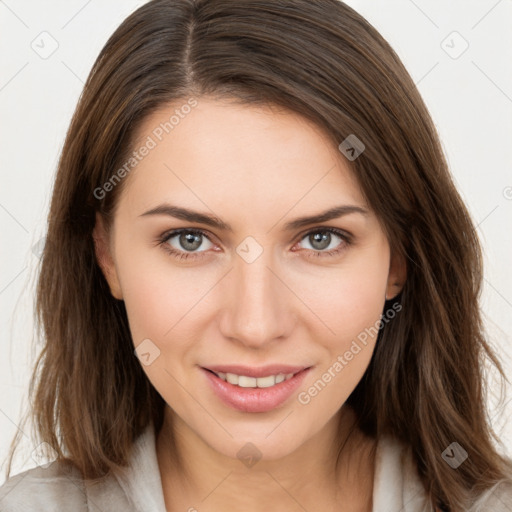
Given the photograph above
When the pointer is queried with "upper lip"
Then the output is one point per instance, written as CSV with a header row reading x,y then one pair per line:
x,y
261,371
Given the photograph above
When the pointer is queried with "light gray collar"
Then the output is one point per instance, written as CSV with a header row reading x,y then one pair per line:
x,y
141,479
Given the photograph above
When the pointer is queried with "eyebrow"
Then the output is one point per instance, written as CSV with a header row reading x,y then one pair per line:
x,y
213,221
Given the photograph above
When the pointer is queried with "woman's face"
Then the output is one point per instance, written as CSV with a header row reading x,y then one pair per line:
x,y
253,286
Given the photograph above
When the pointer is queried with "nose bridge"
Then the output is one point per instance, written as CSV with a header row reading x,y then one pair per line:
x,y
257,304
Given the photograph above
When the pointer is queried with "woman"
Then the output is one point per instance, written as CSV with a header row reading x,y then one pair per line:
x,y
260,285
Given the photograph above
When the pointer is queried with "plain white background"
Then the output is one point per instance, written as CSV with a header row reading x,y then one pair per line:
x,y
459,55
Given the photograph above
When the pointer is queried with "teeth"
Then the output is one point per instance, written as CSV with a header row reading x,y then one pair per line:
x,y
252,382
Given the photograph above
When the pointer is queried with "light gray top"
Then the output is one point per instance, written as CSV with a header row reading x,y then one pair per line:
x,y
138,487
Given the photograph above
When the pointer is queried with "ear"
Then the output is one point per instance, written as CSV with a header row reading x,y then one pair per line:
x,y
104,257
397,275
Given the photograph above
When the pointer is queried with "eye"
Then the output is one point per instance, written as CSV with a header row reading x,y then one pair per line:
x,y
183,243
321,239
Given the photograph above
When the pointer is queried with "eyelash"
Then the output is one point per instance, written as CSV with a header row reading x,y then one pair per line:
x,y
182,255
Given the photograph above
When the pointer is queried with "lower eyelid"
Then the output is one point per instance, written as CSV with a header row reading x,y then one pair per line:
x,y
345,240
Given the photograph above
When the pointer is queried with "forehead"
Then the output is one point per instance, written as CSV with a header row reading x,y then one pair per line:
x,y
247,158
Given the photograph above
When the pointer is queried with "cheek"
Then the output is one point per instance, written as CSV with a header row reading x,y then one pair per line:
x,y
350,308
157,296
349,298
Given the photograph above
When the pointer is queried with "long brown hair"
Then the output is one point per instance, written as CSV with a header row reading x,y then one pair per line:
x,y
425,384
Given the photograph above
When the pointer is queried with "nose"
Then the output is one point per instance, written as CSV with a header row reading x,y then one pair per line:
x,y
258,306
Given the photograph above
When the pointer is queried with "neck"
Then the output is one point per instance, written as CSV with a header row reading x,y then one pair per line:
x,y
194,475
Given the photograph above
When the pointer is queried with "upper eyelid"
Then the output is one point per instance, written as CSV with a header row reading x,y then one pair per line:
x,y
167,235
336,231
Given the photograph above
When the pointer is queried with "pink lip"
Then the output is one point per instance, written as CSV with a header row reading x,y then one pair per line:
x,y
255,399
263,371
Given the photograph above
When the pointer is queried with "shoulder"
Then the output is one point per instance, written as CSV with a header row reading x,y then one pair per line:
x,y
397,483
59,487
497,499
45,488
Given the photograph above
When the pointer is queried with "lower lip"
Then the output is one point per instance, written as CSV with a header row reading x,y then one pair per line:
x,y
255,399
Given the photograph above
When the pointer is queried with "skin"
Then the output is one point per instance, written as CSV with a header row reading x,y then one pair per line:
x,y
255,168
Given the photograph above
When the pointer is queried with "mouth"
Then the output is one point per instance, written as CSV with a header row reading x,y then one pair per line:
x,y
247,393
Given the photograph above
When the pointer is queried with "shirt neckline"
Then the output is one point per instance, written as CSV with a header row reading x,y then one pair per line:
x,y
396,485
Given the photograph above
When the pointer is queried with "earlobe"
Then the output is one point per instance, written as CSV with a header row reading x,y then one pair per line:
x,y
104,257
397,276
